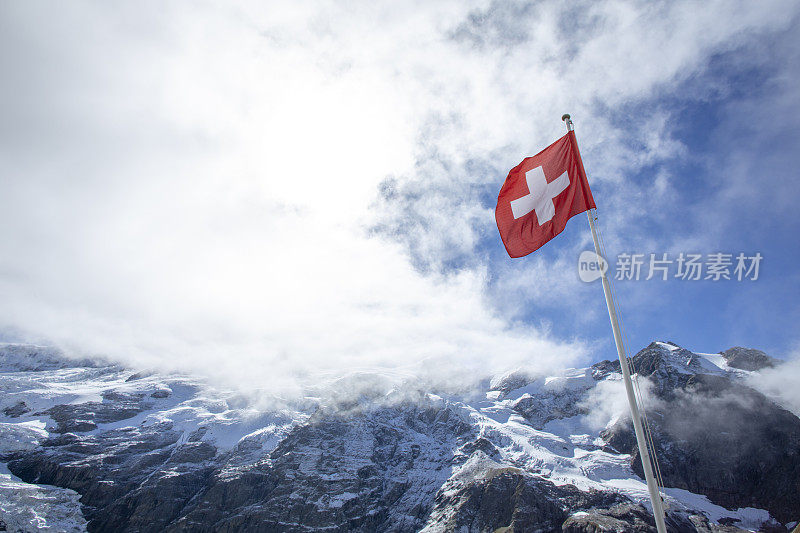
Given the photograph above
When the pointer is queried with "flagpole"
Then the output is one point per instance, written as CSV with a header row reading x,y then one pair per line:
x,y
652,486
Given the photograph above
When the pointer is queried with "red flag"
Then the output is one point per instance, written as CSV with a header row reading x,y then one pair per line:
x,y
540,195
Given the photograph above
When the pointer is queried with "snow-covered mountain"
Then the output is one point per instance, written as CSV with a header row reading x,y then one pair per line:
x,y
88,445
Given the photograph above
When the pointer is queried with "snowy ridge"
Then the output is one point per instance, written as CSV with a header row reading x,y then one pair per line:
x,y
424,457
568,450
16,357
682,360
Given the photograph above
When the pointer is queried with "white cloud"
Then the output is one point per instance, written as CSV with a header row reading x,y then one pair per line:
x,y
607,403
198,198
780,383
193,185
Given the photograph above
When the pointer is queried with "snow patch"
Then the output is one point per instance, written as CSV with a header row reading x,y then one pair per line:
x,y
748,517
27,507
21,436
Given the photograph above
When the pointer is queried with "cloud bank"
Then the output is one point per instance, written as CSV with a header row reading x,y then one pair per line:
x,y
274,195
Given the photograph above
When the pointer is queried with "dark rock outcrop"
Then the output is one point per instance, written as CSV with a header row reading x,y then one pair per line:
x,y
539,409
85,416
748,358
508,499
16,410
716,436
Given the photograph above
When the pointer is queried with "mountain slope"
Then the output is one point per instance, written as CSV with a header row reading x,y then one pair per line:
x,y
150,452
716,436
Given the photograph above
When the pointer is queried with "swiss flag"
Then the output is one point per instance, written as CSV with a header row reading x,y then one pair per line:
x,y
540,195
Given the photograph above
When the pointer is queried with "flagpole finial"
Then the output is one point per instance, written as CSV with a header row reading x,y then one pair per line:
x,y
566,118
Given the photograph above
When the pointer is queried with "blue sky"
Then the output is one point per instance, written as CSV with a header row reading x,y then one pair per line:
x,y
749,131
276,194
761,313
731,181
750,128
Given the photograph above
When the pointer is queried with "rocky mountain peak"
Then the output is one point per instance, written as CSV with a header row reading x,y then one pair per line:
x,y
669,358
669,366
748,359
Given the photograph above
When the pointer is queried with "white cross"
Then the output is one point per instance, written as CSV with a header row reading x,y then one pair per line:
x,y
540,195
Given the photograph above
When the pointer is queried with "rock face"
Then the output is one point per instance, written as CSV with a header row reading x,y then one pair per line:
x,y
16,410
85,416
363,471
128,479
716,436
485,496
748,359
162,453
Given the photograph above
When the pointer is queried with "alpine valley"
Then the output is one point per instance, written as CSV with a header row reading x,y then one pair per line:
x,y
88,445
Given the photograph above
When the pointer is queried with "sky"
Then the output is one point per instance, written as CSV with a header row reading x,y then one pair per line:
x,y
280,193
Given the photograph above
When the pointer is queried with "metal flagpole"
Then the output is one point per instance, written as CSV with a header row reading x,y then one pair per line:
x,y
652,487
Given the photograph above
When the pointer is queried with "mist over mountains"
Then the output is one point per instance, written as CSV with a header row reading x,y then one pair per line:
x,y
91,445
